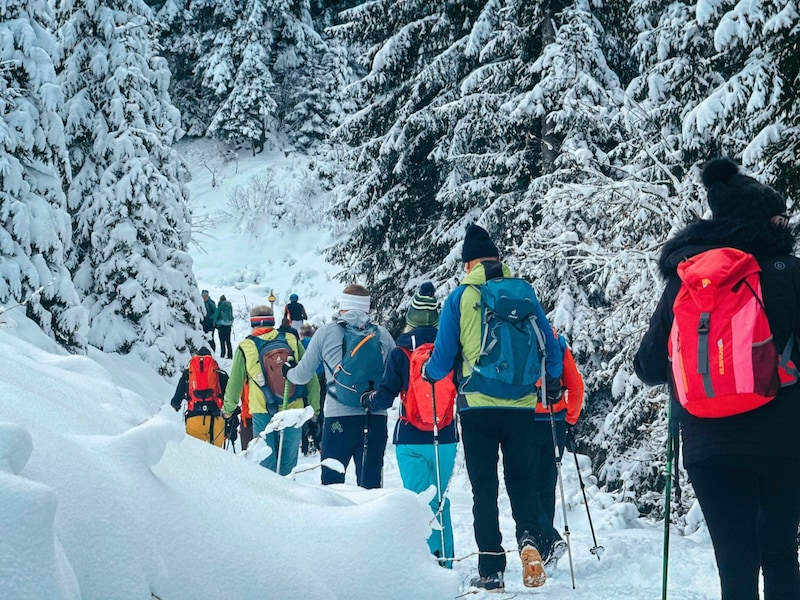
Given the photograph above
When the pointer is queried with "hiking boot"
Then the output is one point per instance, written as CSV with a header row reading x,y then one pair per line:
x,y
557,550
532,568
490,583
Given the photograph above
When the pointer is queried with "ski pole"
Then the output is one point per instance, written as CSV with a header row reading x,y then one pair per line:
x,y
667,497
439,497
596,550
280,437
366,441
561,485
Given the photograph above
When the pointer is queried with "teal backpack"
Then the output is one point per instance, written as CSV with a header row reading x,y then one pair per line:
x,y
361,367
511,359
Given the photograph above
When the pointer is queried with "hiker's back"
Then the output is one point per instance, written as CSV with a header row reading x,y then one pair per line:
x,y
724,358
502,343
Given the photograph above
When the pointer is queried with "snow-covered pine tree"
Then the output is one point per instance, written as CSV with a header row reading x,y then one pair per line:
x,y
310,72
132,224
414,55
35,230
237,70
754,112
654,193
183,25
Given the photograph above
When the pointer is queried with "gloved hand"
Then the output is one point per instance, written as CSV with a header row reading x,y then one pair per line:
x,y
289,364
366,399
424,372
232,426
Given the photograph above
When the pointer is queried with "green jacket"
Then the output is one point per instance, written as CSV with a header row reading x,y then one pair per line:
x,y
245,366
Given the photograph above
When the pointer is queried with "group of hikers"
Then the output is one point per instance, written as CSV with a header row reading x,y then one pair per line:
x,y
487,369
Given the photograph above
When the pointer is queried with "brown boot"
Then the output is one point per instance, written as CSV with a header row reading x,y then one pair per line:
x,y
533,574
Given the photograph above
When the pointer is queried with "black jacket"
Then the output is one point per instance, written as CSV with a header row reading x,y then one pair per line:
x,y
767,431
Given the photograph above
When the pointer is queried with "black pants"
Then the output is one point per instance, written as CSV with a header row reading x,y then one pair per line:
x,y
343,439
225,349
485,431
752,508
546,478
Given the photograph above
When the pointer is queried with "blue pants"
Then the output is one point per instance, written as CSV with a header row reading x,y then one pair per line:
x,y
291,444
343,438
417,464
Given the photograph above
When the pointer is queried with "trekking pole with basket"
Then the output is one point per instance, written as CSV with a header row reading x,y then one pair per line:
x,y
560,481
280,437
596,550
439,496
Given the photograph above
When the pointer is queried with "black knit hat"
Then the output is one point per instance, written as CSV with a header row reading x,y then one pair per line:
x,y
424,311
732,194
477,244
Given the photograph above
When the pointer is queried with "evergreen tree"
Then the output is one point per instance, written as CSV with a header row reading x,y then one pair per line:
x,y
35,231
127,198
237,70
310,72
413,56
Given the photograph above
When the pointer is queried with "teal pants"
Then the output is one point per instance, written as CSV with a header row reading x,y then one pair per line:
x,y
417,464
291,444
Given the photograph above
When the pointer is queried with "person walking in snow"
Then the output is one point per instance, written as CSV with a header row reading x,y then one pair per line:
x,y
264,400
202,386
565,415
490,422
414,447
353,352
208,319
744,467
295,312
312,429
223,320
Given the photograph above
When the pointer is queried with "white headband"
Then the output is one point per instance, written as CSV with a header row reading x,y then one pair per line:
x,y
351,302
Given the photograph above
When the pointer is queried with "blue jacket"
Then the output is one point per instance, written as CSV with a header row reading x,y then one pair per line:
x,y
458,344
395,379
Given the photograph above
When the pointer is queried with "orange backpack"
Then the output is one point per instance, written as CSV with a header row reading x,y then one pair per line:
x,y
203,382
418,399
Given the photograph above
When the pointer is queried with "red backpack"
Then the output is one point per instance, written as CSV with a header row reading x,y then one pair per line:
x,y
724,360
203,382
418,400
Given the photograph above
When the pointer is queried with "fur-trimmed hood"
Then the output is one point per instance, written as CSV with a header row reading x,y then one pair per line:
x,y
757,237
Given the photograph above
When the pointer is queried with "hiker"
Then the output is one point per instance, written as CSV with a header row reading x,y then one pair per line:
x,y
208,319
744,467
286,327
266,387
353,351
202,385
565,415
423,459
503,414
295,312
223,320
312,429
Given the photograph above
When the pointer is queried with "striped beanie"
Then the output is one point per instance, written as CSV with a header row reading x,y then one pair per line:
x,y
424,310
261,316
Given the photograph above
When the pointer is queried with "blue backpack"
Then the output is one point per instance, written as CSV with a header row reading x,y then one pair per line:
x,y
512,354
361,367
271,356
